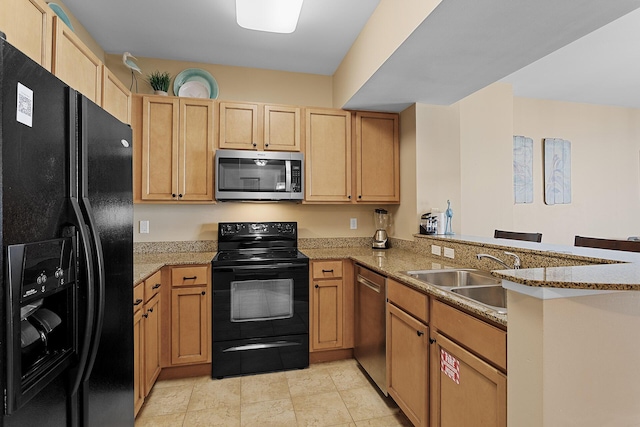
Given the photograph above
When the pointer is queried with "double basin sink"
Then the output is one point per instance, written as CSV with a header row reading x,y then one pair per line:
x,y
476,285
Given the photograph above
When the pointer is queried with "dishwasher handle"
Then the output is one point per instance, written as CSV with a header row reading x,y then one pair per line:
x,y
368,283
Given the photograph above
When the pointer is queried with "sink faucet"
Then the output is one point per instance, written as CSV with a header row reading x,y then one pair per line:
x,y
516,261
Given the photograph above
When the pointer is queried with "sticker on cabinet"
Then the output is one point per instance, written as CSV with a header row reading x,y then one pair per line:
x,y
450,366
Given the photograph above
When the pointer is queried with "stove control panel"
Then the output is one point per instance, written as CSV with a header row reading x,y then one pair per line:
x,y
228,229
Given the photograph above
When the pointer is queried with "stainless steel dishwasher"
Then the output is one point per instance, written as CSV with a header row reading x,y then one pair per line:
x,y
370,334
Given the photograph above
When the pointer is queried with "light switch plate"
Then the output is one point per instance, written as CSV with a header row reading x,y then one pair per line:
x,y
353,223
449,253
436,250
144,227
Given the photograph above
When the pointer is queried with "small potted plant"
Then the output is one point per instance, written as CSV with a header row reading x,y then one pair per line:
x,y
159,82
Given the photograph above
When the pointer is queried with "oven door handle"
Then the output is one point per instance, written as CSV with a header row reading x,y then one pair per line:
x,y
276,266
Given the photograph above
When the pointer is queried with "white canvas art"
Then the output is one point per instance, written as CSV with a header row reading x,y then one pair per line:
x,y
557,171
522,169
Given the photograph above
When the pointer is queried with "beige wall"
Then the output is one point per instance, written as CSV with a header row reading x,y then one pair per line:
x,y
605,169
237,83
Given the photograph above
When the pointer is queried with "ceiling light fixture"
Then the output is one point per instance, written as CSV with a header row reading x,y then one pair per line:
x,y
274,16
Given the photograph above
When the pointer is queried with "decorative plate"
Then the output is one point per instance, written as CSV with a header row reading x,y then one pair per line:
x,y
194,89
63,16
196,75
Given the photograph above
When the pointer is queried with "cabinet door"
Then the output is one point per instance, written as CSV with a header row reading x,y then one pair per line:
x,y
327,314
27,25
239,126
152,340
74,63
195,157
281,128
116,98
459,376
190,325
377,157
138,365
159,146
407,364
328,156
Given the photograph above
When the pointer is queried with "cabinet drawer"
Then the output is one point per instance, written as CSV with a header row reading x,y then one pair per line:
x,y
189,276
410,300
138,296
152,285
485,340
326,269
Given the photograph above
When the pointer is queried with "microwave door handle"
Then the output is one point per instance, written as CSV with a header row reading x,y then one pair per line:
x,y
287,166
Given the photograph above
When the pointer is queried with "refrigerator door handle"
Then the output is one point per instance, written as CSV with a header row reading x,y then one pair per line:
x,y
99,290
90,314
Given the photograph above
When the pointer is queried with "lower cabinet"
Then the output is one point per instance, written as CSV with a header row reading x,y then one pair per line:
x,y
331,305
147,337
190,315
408,352
468,365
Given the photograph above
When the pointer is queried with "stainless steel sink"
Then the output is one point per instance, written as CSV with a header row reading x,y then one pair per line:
x,y
454,278
493,296
476,285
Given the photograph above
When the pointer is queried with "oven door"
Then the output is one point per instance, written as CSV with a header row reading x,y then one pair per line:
x,y
260,301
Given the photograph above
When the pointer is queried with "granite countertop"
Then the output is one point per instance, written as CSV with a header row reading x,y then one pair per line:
x,y
392,262
145,265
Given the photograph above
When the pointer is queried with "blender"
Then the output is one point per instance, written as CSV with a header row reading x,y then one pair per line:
x,y
381,222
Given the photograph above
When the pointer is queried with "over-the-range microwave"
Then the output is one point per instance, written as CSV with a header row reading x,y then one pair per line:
x,y
244,175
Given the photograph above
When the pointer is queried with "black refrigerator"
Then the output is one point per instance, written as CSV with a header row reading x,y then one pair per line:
x,y
66,326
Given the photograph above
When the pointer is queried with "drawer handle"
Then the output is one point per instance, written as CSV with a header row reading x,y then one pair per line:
x,y
327,271
138,302
156,286
189,278
420,333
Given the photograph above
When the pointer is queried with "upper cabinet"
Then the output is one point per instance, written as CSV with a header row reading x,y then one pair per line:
x,y
346,167
27,25
116,98
328,155
173,149
251,126
74,63
377,157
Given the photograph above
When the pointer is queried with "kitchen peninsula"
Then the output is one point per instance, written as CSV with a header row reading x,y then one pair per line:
x,y
573,315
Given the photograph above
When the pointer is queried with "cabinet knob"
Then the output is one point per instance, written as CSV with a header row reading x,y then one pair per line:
x,y
431,341
156,286
317,286
359,196
180,196
203,292
349,196
145,315
151,310
254,144
266,145
173,195
420,333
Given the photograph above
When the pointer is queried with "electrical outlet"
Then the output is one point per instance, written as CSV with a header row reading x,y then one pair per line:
x,y
436,250
353,223
449,253
144,227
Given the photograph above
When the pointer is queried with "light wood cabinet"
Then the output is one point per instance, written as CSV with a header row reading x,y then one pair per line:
x,y
252,126
331,301
328,155
190,315
408,364
176,149
408,351
377,157
147,337
74,63
28,26
138,348
351,157
468,364
116,98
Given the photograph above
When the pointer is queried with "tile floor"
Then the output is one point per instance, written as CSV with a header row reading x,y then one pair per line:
x,y
325,394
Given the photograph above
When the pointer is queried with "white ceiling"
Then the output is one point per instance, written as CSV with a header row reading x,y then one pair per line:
x,y
546,48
